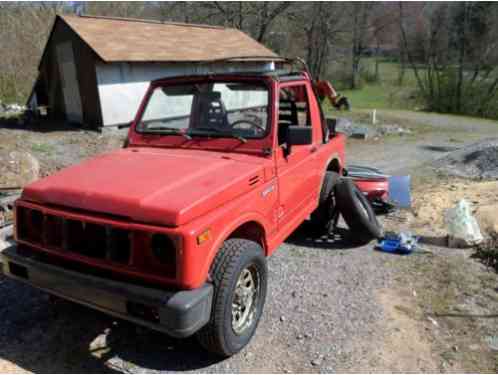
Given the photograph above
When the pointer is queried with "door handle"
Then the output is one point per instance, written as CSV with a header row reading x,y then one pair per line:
x,y
313,149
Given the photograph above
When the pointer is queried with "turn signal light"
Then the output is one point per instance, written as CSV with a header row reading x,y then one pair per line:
x,y
203,237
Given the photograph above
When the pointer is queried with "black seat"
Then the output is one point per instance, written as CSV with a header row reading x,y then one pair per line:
x,y
212,111
287,111
287,116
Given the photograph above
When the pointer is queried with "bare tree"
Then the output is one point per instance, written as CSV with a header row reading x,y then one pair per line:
x,y
179,11
359,31
454,57
452,48
256,18
322,25
23,32
124,9
267,14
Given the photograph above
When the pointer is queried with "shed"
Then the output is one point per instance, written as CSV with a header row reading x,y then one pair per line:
x,y
95,70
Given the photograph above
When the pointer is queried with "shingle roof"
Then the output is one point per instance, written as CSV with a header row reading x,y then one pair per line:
x,y
119,39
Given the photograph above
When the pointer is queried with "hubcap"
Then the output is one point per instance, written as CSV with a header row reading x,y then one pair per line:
x,y
245,299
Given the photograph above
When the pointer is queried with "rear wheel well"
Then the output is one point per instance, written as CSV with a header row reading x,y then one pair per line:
x,y
252,231
334,166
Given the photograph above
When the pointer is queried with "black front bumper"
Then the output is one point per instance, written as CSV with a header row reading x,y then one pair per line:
x,y
179,314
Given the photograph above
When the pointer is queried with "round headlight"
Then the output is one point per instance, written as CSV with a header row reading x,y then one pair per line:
x,y
163,248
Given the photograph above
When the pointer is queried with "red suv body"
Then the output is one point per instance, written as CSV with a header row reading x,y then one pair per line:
x,y
134,232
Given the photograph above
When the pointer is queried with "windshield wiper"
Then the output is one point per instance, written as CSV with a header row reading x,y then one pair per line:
x,y
205,131
239,137
169,131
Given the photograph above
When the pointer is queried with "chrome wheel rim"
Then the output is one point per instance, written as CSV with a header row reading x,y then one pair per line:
x,y
245,300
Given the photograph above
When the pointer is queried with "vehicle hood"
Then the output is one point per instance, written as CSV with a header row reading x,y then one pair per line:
x,y
159,186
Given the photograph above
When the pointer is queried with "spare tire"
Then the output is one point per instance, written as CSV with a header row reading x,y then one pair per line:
x,y
356,210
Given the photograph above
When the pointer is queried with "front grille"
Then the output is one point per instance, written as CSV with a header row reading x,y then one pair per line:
x,y
75,236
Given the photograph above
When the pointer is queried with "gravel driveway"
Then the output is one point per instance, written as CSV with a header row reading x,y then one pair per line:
x,y
323,311
434,136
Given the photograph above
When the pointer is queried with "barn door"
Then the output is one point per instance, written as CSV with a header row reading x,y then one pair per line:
x,y
69,82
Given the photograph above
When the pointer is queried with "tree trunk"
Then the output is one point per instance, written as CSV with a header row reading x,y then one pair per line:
x,y
377,52
354,73
461,57
408,54
354,51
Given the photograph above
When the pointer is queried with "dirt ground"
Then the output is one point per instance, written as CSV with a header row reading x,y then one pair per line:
x,y
54,145
331,307
444,194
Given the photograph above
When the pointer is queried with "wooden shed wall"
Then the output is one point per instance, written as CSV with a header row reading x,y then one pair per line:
x,y
50,79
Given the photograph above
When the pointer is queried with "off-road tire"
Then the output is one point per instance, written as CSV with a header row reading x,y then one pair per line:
x,y
322,215
235,255
357,211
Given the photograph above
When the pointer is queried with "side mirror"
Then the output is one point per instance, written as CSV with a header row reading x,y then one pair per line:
x,y
299,135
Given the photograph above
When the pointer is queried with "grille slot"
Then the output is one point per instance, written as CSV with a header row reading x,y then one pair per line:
x,y
75,236
121,245
52,231
85,238
22,223
95,240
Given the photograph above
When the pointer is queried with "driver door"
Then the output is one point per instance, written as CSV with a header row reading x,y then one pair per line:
x,y
296,168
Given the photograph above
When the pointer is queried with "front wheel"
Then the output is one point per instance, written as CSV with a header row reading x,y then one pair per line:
x,y
239,274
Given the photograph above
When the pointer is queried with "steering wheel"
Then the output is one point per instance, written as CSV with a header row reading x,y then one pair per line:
x,y
249,122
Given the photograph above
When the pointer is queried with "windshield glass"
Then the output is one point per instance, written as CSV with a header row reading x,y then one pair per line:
x,y
218,109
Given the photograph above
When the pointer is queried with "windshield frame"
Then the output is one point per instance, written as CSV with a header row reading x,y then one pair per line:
x,y
200,133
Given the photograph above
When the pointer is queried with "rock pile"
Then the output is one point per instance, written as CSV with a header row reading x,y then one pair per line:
x,y
392,129
366,131
476,161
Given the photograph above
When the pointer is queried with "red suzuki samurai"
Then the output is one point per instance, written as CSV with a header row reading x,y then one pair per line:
x,y
173,230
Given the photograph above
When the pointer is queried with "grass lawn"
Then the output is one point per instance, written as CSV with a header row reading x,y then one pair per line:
x,y
372,96
386,93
